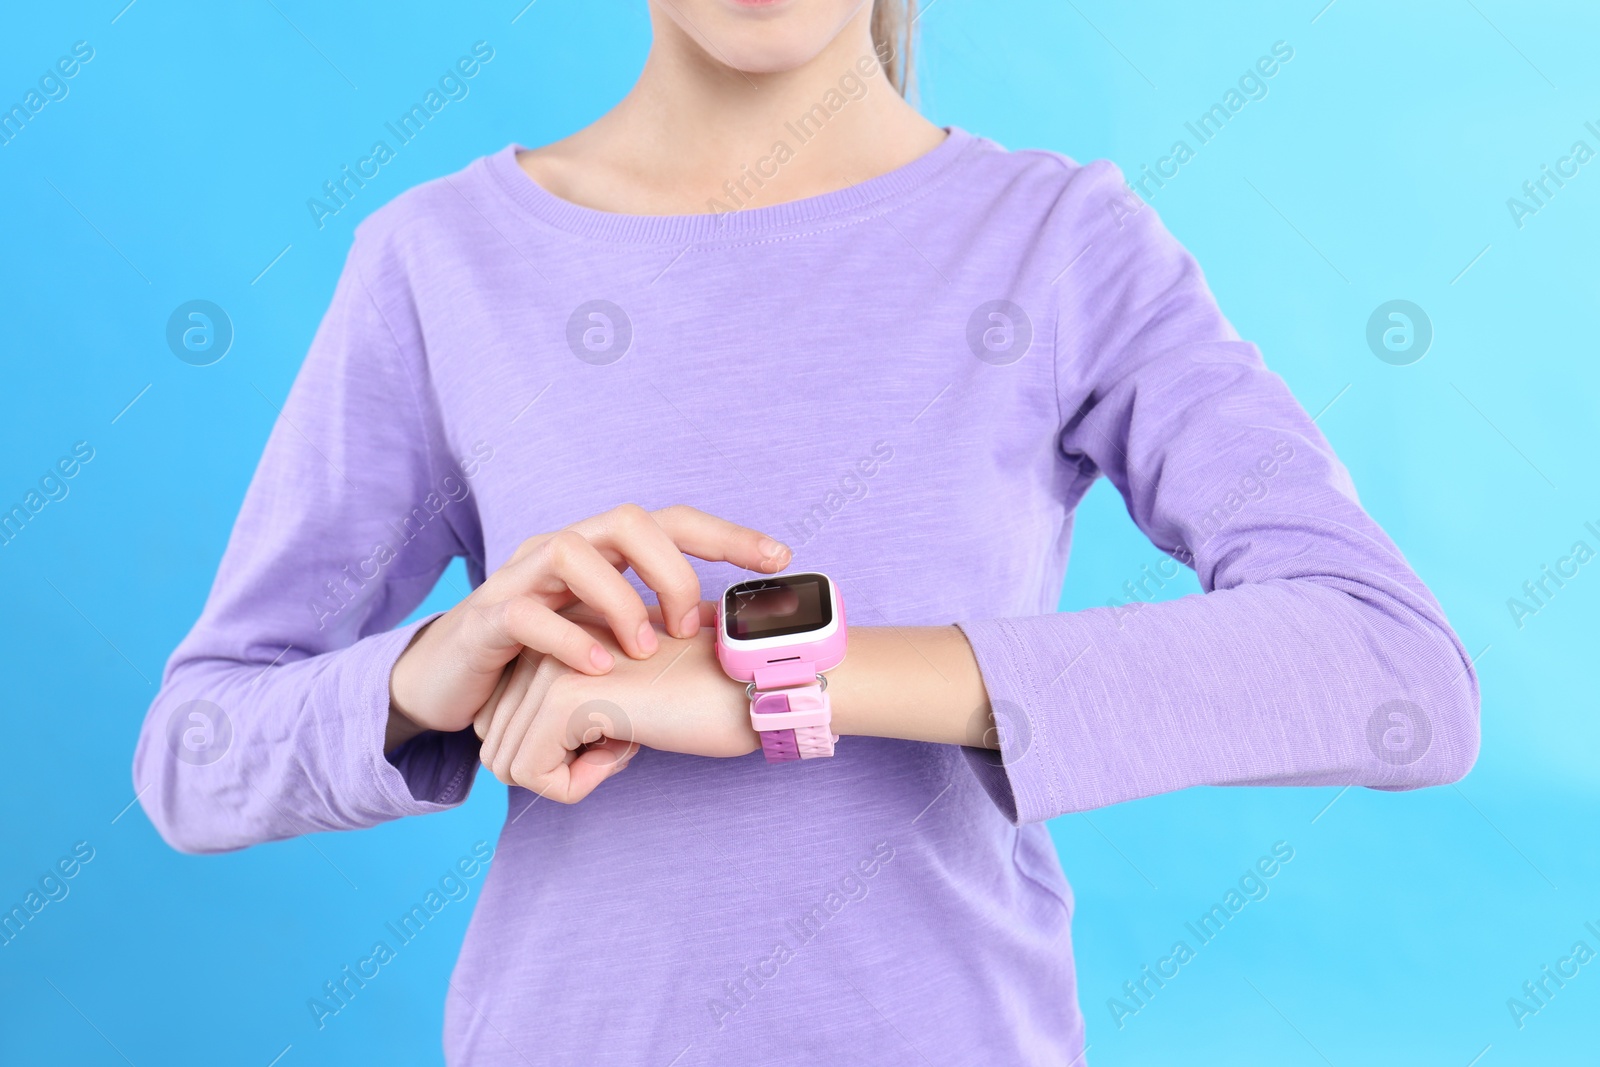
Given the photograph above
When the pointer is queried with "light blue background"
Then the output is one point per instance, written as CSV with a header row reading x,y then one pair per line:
x,y
1378,168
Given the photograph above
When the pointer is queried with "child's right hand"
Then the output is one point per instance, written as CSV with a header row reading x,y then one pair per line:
x,y
453,666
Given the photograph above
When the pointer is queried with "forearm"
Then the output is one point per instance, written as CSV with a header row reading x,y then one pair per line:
x,y
917,683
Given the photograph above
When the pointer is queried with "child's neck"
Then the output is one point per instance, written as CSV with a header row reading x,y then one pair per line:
x,y
692,131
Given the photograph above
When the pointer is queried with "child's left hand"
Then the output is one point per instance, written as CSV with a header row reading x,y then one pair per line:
x,y
560,733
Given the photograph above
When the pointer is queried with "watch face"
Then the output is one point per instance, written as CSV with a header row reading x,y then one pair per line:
x,y
777,607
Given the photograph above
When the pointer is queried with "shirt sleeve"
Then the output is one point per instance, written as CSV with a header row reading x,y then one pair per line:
x,y
271,714
1314,656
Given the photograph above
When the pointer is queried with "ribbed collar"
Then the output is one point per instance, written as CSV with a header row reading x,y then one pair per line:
x,y
861,199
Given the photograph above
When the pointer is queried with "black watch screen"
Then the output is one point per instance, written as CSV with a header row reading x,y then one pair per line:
x,y
777,607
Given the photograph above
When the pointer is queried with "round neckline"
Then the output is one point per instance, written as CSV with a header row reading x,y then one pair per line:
x,y
710,227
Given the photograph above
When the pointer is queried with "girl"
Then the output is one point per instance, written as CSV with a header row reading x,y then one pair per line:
x,y
763,300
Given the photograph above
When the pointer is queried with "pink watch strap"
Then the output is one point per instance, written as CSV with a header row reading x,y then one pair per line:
x,y
793,721
795,672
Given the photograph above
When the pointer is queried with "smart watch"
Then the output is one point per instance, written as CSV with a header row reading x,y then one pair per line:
x,y
778,635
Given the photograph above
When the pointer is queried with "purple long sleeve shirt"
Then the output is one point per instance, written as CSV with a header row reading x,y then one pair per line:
x,y
913,381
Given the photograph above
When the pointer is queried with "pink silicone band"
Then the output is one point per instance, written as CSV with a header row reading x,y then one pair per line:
x,y
794,722
792,709
808,742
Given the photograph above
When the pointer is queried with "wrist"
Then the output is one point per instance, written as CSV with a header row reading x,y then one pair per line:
x,y
401,726
399,729
679,700
726,696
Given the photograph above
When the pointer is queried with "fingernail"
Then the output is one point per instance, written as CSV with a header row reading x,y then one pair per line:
x,y
647,638
690,624
601,658
771,551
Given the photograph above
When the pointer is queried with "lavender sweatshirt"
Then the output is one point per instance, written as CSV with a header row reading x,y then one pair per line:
x,y
913,381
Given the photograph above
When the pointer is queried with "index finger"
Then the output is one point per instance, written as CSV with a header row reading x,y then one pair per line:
x,y
656,545
720,541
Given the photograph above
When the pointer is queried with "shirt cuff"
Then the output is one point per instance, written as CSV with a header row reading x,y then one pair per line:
x,y
1021,776
431,772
